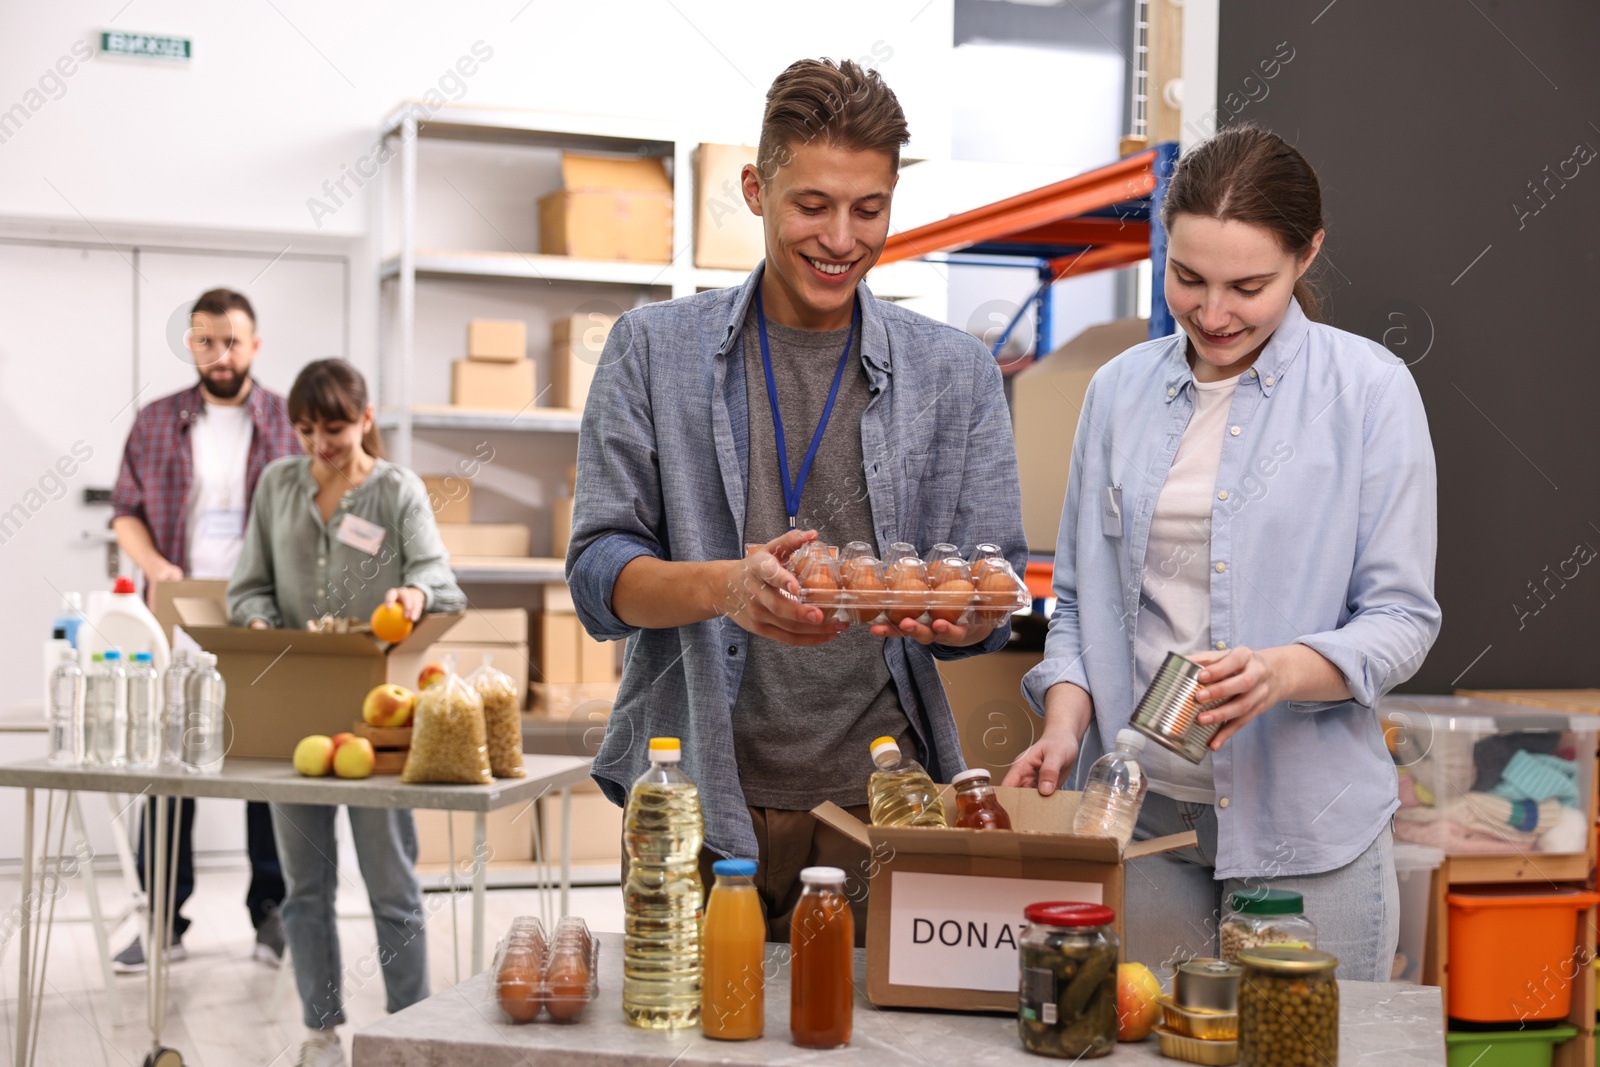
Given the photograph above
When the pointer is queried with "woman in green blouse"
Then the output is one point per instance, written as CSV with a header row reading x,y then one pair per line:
x,y
338,532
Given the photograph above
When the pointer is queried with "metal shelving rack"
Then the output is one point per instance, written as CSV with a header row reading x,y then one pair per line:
x,y
1104,219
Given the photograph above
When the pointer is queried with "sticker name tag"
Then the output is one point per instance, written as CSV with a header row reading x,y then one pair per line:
x,y
1111,511
221,525
360,534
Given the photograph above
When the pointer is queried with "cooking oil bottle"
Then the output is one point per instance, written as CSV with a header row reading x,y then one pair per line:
x,y
663,830
900,792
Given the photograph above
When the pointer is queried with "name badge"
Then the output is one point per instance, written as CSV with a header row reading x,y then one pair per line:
x,y
1111,511
360,534
218,525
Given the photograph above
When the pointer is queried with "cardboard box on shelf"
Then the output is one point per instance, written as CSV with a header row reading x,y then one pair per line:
x,y
509,835
498,632
596,827
726,234
560,526
497,340
166,592
568,655
1044,417
944,912
576,343
994,722
608,208
558,599
563,701
450,495
285,684
485,538
477,383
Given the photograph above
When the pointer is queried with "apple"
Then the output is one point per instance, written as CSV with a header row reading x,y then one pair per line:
x,y
430,674
388,705
1138,1002
313,756
339,739
354,758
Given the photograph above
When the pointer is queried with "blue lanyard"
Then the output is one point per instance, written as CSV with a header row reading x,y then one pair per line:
x,y
792,490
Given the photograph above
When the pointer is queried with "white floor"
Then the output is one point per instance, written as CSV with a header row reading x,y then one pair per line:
x,y
219,1010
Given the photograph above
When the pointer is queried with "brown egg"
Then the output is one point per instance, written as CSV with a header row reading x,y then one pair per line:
x,y
998,588
941,571
518,985
907,568
986,565
568,986
951,600
819,579
870,589
910,591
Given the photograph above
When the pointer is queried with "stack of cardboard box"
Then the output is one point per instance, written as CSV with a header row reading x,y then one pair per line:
x,y
609,207
576,345
497,373
727,234
575,668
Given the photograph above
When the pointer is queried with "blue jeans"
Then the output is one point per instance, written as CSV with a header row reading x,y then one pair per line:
x,y
1174,901
386,846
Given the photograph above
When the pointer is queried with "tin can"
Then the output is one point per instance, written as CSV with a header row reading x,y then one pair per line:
x,y
1207,985
1167,712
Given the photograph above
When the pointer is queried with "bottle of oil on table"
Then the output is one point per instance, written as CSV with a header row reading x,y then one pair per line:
x,y
662,831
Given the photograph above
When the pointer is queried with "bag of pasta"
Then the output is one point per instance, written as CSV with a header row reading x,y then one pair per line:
x,y
447,734
502,718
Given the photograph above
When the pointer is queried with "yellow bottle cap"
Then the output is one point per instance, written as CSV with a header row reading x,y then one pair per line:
x,y
664,744
882,741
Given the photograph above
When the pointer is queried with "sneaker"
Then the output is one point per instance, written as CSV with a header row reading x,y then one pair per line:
x,y
321,1050
131,959
269,940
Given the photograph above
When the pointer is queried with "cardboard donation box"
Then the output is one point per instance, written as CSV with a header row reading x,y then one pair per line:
x,y
285,684
944,914
166,593
609,207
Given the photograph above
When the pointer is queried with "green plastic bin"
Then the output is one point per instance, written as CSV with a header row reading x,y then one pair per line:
x,y
1506,1048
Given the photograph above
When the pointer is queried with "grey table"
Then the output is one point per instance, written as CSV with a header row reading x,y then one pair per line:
x,y
1391,1025
274,782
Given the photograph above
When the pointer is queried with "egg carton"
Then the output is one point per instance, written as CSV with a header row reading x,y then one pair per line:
x,y
540,977
854,586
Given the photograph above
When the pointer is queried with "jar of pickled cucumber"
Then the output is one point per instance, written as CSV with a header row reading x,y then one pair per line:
x,y
1067,989
1288,1008
1261,917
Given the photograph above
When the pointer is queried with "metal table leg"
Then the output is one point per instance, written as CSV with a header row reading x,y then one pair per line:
x,y
24,907
566,847
91,889
480,877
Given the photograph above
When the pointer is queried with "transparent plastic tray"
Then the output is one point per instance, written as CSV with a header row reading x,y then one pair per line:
x,y
540,977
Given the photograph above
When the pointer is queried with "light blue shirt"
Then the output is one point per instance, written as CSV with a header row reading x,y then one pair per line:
x,y
1323,532
662,465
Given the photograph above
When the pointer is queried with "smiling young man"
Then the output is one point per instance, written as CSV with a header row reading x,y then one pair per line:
x,y
189,473
794,407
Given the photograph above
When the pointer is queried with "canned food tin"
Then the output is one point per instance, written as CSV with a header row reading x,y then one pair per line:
x,y
1207,985
1167,713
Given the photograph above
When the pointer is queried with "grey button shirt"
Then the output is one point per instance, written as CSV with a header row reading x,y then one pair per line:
x,y
295,567
662,466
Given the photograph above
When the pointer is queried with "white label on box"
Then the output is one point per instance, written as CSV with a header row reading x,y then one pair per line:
x,y
957,931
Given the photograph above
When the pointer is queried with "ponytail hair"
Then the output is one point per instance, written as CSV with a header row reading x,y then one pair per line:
x,y
1248,174
331,390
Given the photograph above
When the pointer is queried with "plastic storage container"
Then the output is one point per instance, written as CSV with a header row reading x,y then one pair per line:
x,y
1506,1048
555,976
1414,866
1067,989
1261,917
1481,777
1511,952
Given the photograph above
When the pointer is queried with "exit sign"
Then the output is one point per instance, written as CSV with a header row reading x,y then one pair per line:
x,y
144,45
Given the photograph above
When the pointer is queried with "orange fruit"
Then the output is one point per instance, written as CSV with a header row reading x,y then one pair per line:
x,y
389,623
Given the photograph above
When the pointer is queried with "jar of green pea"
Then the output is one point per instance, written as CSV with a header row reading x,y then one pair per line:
x,y
1288,1008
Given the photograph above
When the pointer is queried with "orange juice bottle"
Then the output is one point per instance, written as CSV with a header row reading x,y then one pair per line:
x,y
822,937
733,1004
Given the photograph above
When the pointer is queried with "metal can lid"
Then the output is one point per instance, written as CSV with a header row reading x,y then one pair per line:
x,y
969,775
1210,969
822,876
1069,913
1289,960
1263,901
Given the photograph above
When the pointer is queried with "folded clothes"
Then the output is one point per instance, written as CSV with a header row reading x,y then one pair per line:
x,y
1518,822
1491,756
1408,791
1452,837
1535,776
1569,834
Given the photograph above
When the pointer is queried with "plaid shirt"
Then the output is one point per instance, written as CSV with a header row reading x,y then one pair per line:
x,y
158,462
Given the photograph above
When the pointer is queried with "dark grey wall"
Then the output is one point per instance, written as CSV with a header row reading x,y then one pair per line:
x,y
1427,121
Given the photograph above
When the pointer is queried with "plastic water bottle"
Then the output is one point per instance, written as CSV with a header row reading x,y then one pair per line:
x,y
663,831
66,712
900,792
144,713
202,736
175,708
1114,792
105,711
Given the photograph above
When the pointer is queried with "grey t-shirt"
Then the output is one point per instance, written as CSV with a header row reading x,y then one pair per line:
x,y
804,717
